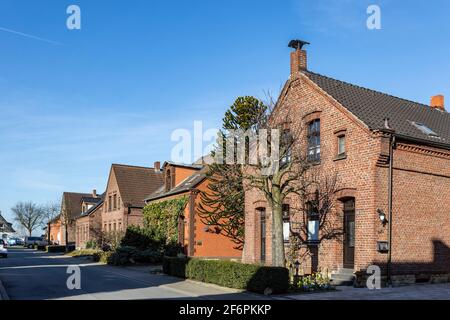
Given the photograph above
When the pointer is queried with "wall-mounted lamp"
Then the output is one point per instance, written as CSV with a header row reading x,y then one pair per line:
x,y
382,216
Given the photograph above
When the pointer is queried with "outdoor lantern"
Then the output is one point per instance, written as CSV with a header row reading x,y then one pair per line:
x,y
382,216
297,267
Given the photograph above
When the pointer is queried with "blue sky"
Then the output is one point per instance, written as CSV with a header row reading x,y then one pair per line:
x,y
114,91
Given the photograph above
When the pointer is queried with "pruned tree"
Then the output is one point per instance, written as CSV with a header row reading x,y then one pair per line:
x,y
316,216
288,172
222,205
28,215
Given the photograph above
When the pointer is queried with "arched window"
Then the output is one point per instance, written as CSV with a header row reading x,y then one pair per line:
x,y
314,141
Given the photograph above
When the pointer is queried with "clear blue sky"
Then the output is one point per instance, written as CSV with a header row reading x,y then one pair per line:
x,y
114,91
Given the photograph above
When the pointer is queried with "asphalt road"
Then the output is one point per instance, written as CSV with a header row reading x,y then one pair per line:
x,y
32,275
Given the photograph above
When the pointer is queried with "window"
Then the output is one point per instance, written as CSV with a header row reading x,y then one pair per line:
x,y
109,203
313,222
120,226
118,204
286,223
263,230
109,227
115,202
114,227
341,145
314,141
286,147
105,227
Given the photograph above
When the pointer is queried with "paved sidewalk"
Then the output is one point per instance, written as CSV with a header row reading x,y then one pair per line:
x,y
412,292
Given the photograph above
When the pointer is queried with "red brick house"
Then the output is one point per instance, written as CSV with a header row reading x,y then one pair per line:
x,y
355,129
71,205
89,223
198,239
125,192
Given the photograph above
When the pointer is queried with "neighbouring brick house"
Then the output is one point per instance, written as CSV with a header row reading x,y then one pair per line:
x,y
89,223
125,192
71,205
198,239
54,231
349,131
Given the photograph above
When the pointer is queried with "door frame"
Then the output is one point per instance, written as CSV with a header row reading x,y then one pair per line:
x,y
349,239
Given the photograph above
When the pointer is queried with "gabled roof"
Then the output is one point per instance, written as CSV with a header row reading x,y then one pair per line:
x,y
196,166
73,202
135,183
187,184
372,107
91,199
94,208
5,226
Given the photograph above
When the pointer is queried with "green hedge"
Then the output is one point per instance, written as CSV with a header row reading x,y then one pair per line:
x,y
54,249
230,274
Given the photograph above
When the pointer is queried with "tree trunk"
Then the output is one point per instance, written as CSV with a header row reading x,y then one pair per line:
x,y
67,238
278,254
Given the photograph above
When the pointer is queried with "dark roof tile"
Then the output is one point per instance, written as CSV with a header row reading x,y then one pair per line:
x,y
372,107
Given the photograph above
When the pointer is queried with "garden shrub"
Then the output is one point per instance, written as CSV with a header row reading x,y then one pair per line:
x,y
102,256
161,219
91,244
54,249
140,238
83,253
230,274
314,282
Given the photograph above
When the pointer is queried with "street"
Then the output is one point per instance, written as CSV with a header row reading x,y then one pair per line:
x,y
33,275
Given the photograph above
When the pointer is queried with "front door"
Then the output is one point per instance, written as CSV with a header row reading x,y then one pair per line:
x,y
349,233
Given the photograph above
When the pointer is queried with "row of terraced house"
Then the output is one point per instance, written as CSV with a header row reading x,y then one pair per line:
x,y
392,155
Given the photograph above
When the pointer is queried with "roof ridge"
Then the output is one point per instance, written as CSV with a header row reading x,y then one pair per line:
x,y
371,90
132,166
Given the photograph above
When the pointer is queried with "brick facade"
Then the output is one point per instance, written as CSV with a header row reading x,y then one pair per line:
x,y
421,189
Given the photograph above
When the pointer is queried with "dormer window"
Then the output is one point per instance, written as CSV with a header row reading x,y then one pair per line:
x,y
425,129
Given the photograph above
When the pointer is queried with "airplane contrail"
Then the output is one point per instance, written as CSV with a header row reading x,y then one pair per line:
x,y
29,36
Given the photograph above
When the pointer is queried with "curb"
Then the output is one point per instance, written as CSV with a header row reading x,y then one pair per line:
x,y
3,293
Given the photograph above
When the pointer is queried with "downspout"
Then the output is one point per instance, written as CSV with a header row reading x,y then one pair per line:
x,y
390,201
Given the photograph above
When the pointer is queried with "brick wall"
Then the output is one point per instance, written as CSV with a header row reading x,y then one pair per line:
x,y
421,187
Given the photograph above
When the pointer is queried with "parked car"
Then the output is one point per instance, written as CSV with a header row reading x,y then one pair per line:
x,y
12,242
3,250
32,241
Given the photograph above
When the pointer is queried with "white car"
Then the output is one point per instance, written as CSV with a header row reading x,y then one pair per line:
x,y
3,250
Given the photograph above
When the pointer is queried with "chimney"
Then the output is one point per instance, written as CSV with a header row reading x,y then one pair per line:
x,y
94,193
437,102
157,166
298,56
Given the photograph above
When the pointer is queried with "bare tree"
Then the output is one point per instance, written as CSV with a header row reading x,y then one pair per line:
x,y
66,218
29,215
315,218
50,211
290,173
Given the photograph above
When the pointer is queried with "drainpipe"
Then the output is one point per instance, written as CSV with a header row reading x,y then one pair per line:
x,y
390,192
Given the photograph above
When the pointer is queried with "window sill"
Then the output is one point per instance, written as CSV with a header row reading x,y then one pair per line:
x,y
314,163
340,157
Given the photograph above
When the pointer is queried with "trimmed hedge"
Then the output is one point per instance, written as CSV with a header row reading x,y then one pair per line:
x,y
54,249
230,274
